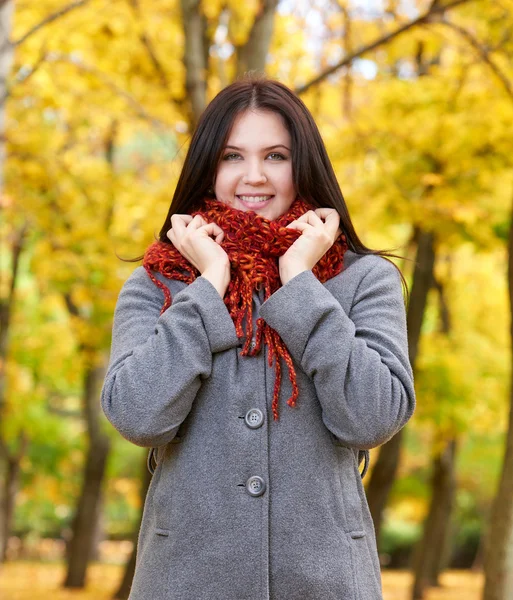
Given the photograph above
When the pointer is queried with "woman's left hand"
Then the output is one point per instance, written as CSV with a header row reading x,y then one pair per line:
x,y
319,229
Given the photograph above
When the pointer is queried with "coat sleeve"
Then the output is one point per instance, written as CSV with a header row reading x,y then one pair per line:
x,y
358,361
157,362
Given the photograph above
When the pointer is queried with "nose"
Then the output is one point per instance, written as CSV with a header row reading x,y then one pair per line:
x,y
254,174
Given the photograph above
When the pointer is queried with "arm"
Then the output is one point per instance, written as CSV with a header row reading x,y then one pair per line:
x,y
157,362
358,362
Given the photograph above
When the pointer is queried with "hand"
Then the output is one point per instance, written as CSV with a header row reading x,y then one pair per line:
x,y
199,242
319,229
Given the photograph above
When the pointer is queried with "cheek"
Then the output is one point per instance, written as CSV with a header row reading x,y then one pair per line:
x,y
286,182
225,179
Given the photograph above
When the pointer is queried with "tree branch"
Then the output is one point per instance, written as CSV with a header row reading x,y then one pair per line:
x,y
49,19
434,9
152,54
138,108
485,55
22,76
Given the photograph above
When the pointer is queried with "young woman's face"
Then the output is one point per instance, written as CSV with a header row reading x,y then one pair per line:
x,y
255,172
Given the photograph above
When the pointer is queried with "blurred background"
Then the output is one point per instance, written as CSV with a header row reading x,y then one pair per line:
x,y
98,98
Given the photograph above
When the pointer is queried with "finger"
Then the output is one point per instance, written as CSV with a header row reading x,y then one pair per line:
x,y
331,220
299,226
305,227
197,222
212,229
186,219
179,222
217,232
324,212
311,218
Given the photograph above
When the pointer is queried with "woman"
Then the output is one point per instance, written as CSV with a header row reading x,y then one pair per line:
x,y
258,270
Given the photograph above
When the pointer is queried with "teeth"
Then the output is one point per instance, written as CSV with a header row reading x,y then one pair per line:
x,y
254,198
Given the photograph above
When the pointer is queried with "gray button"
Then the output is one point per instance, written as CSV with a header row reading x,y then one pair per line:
x,y
252,345
254,418
255,486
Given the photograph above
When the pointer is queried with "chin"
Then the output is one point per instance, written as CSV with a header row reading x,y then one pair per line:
x,y
269,216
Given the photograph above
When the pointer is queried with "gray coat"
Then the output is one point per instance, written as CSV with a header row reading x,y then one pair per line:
x,y
242,507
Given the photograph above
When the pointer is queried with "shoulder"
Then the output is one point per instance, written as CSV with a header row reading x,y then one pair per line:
x,y
139,283
139,280
140,288
361,265
367,269
138,277
365,276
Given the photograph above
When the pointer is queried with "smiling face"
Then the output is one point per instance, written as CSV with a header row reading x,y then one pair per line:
x,y
255,172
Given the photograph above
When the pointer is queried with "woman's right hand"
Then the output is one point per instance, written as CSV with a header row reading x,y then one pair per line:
x,y
199,242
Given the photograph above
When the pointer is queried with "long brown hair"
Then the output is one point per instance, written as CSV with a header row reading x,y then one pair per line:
x,y
313,175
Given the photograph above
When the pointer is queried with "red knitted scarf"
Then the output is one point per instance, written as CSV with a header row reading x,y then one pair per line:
x,y
253,245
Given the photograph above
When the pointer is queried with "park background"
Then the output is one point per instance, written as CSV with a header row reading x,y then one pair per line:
x,y
414,99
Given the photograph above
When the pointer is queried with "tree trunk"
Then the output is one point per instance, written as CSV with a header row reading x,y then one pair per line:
x,y
499,542
124,588
99,529
348,76
442,557
10,489
9,460
195,57
385,468
84,525
432,547
478,562
252,56
383,475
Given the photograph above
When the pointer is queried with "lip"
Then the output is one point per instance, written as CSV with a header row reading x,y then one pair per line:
x,y
254,205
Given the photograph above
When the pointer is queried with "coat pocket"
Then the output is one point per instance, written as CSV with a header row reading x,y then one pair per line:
x,y
155,454
367,582
164,488
348,474
366,574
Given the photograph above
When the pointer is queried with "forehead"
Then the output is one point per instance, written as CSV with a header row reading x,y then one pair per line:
x,y
266,127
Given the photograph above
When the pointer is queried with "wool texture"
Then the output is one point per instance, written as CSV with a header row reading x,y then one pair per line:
x,y
253,245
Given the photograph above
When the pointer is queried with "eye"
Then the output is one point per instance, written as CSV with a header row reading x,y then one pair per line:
x,y
276,156
231,156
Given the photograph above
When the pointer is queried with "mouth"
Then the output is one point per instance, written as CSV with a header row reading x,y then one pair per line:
x,y
253,202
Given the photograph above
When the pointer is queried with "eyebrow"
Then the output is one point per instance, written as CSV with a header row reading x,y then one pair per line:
x,y
269,148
